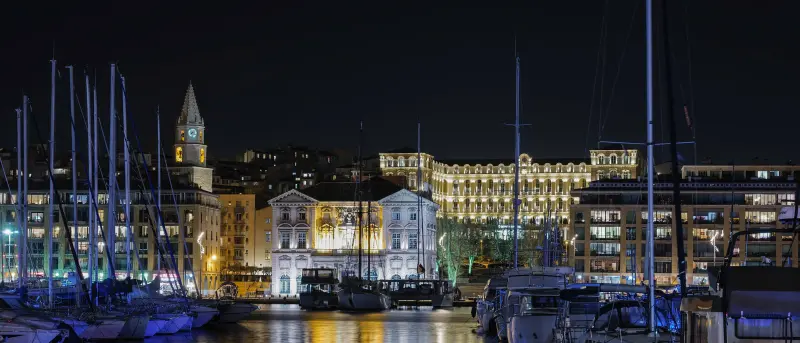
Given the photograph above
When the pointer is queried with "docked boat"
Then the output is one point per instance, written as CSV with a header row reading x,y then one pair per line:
x,y
359,295
229,311
436,293
19,333
318,289
744,308
533,303
488,304
202,315
173,323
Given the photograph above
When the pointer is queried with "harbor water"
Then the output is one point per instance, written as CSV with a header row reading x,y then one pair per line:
x,y
288,323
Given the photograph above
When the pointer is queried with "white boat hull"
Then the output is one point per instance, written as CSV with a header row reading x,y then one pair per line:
x,y
154,326
18,333
531,329
174,323
134,327
233,313
203,315
101,330
352,301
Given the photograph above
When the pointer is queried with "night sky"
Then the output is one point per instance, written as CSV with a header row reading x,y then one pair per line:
x,y
306,74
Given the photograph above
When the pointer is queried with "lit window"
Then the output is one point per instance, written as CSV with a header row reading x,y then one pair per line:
x,y
202,155
179,152
412,241
183,136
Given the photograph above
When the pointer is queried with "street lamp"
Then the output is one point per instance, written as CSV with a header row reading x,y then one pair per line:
x,y
8,233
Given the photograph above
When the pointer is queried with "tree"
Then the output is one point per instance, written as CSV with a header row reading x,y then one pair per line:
x,y
457,243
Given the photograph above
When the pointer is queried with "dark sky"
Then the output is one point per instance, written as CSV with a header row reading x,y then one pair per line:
x,y
307,73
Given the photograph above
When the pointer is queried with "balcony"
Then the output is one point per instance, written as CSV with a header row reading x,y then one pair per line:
x,y
346,252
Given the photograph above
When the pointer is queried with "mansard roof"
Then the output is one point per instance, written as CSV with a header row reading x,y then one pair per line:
x,y
373,189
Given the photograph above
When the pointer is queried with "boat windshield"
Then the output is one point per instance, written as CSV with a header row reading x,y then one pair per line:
x,y
533,304
621,315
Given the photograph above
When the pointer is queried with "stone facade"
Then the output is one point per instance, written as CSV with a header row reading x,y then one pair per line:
x,y
312,233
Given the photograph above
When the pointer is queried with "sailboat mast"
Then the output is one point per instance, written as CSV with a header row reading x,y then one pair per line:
x,y
516,174
51,148
158,201
95,175
358,194
111,218
673,142
74,171
650,173
20,175
419,201
369,238
127,166
23,246
90,167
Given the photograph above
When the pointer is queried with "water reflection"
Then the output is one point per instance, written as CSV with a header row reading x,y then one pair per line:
x,y
287,323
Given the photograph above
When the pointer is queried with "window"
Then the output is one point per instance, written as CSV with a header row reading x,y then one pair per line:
x,y
395,215
202,155
301,240
269,236
179,152
301,216
285,216
605,233
284,240
238,216
412,241
412,216
605,217
395,240
284,286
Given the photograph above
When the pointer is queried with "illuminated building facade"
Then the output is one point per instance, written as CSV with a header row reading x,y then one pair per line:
x,y
318,227
482,190
609,224
192,227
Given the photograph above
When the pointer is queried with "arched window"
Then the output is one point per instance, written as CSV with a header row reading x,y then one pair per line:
x,y
401,162
396,277
613,159
373,275
626,174
601,174
285,287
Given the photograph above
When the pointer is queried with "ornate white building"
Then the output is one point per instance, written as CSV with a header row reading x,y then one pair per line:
x,y
317,227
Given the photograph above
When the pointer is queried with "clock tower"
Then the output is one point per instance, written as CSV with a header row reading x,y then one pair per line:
x,y
190,149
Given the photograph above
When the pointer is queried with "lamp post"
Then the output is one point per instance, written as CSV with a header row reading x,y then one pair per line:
x,y
8,233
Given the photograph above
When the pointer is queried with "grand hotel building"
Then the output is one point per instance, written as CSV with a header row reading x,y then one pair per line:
x,y
482,190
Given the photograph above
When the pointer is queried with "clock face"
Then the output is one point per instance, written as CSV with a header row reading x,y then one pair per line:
x,y
192,133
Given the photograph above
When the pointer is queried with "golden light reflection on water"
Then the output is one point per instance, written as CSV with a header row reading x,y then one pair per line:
x,y
287,323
